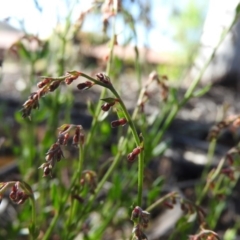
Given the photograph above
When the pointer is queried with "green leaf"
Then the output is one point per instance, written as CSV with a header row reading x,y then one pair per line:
x,y
109,100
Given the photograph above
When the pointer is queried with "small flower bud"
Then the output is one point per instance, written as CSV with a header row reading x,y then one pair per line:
x,y
40,85
42,92
136,213
131,156
17,195
54,85
70,79
103,78
136,150
71,76
119,122
76,137
44,82
14,188
46,171
66,136
35,105
106,106
28,103
49,157
26,112
84,86
63,138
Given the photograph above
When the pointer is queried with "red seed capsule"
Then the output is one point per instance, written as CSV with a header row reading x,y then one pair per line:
x,y
136,151
76,137
14,188
105,107
46,171
70,79
85,85
61,139
66,137
103,78
119,122
54,85
43,82
136,212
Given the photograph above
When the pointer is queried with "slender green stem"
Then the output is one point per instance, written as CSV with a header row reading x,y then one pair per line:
x,y
211,179
107,174
32,228
52,224
160,201
211,150
140,177
137,141
137,66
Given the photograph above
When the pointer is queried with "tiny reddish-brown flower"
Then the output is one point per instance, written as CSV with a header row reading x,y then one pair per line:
x,y
119,122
